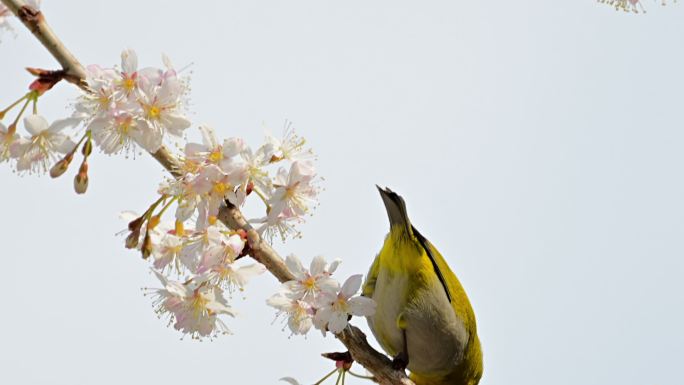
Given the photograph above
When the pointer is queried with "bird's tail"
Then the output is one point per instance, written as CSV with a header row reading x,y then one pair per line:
x,y
396,210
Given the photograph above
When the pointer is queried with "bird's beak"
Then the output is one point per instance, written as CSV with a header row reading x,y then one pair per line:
x,y
396,209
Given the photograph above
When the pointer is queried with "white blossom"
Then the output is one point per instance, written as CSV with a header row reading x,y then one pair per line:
x,y
232,277
282,226
294,190
215,187
167,251
161,106
196,245
36,153
193,308
219,262
290,147
299,313
118,130
252,168
635,6
210,151
99,102
128,105
308,283
333,311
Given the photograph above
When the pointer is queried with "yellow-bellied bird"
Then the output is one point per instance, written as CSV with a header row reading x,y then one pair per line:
x,y
423,317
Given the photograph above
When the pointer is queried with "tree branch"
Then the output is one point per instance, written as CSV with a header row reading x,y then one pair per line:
x,y
376,362
34,20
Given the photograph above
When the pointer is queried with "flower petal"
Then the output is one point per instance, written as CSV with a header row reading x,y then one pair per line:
x,y
334,265
244,273
232,147
338,321
328,285
295,265
129,61
361,306
35,124
208,137
322,317
279,301
175,124
317,265
64,146
60,124
290,380
351,286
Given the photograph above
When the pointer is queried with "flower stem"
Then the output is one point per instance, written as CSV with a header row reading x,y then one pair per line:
x,y
154,205
87,134
16,120
261,195
6,110
167,205
326,377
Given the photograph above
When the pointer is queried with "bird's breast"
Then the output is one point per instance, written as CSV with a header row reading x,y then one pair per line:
x,y
436,336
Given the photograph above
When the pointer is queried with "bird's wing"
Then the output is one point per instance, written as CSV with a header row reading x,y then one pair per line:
x,y
457,296
369,286
437,261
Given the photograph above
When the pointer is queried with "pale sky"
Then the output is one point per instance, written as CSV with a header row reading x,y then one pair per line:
x,y
538,145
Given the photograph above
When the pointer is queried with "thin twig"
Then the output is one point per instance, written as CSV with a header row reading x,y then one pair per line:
x,y
376,362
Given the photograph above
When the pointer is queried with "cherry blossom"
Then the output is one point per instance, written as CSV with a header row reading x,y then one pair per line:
x,y
129,106
290,147
309,283
314,298
193,307
282,226
161,106
294,190
334,311
299,313
167,248
119,130
101,100
210,151
635,6
36,153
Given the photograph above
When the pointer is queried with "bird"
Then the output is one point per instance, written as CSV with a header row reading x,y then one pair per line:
x,y
423,319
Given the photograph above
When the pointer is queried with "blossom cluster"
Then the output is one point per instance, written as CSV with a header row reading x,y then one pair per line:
x,y
628,5
214,172
315,299
196,270
124,108
129,106
196,245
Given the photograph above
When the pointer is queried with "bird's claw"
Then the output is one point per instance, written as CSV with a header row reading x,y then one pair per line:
x,y
400,361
